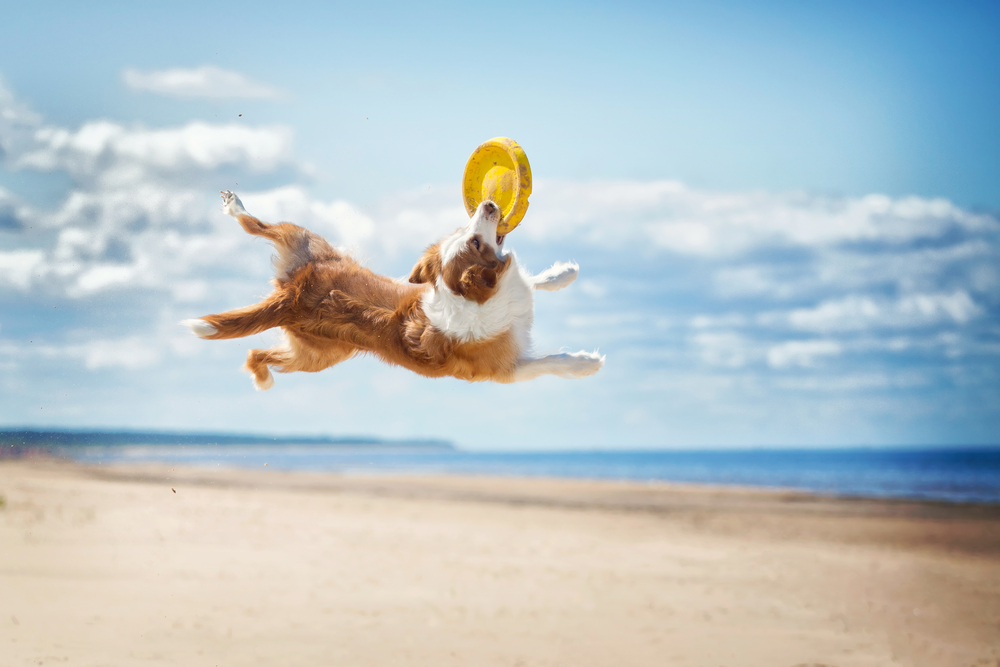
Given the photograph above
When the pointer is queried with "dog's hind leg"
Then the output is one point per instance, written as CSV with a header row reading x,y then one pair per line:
x,y
269,313
258,362
294,355
231,205
295,245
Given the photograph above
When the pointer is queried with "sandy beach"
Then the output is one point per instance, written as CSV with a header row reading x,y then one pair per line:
x,y
158,565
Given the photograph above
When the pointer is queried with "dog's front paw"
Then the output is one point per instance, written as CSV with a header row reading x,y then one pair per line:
x,y
585,363
231,204
558,276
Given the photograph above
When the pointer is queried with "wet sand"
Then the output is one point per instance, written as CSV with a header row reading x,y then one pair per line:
x,y
153,565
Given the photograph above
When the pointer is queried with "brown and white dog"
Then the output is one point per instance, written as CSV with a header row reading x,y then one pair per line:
x,y
466,311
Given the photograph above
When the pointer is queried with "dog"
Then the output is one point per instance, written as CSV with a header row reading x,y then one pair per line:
x,y
466,310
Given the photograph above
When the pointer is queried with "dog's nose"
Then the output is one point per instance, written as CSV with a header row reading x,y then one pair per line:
x,y
490,207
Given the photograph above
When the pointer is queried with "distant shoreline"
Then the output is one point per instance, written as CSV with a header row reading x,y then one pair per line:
x,y
14,442
955,476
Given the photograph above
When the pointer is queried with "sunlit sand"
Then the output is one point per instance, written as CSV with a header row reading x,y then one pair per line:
x,y
153,565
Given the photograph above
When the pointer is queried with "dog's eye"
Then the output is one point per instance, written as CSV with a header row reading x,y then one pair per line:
x,y
475,242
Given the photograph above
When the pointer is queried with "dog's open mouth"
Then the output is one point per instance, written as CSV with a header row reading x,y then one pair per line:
x,y
499,240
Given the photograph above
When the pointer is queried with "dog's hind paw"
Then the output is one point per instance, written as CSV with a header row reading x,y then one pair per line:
x,y
262,383
231,204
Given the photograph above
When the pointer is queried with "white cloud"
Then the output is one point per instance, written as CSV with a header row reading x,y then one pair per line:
x,y
670,216
169,238
12,212
857,313
17,122
201,82
116,153
852,312
802,353
852,382
340,221
18,267
102,276
13,111
931,308
146,237
724,349
132,353
593,288
717,321
743,281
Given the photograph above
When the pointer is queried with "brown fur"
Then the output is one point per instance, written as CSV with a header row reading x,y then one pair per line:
x,y
428,268
474,273
332,308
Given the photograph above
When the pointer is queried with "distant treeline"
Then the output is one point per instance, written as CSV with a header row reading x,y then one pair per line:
x,y
28,440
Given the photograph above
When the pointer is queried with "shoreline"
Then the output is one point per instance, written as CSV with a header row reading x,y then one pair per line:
x,y
177,565
361,469
972,528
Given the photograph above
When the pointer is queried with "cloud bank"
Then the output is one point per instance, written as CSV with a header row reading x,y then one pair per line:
x,y
728,317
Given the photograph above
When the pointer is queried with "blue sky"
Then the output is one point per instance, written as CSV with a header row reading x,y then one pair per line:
x,y
785,213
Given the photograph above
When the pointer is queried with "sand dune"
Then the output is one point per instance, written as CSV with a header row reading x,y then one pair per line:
x,y
149,565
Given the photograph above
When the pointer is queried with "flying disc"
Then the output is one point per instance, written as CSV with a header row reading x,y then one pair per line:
x,y
498,170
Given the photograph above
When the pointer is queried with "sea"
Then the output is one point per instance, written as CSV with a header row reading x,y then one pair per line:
x,y
956,475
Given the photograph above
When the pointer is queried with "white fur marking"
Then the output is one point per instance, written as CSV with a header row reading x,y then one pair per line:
x,y
510,307
566,365
200,328
560,275
482,224
231,204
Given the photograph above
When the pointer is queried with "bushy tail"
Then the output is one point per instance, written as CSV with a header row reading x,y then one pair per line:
x,y
269,313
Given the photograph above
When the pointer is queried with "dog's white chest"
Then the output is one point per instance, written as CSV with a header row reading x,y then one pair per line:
x,y
511,308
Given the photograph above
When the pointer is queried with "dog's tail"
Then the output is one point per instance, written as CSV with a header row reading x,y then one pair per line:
x,y
269,313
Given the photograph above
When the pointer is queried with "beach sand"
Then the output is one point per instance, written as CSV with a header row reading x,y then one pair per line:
x,y
148,565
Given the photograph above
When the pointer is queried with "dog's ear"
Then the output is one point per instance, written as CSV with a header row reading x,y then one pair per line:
x,y
474,276
428,268
479,276
478,281
488,278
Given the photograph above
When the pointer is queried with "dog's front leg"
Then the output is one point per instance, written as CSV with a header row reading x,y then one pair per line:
x,y
566,365
559,275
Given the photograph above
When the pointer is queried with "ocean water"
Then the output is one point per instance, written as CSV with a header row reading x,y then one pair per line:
x,y
952,475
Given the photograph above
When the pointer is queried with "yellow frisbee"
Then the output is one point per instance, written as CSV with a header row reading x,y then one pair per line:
x,y
498,170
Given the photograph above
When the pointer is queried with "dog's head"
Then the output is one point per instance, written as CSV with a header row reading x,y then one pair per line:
x,y
469,260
